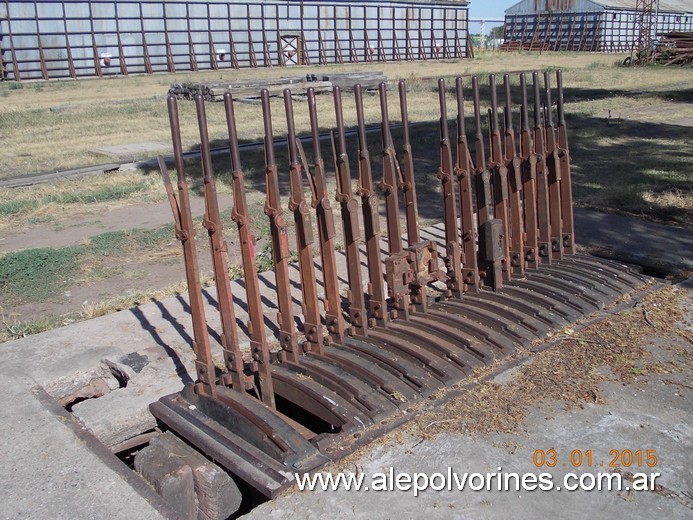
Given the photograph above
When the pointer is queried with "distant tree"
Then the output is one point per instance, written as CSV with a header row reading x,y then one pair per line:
x,y
497,32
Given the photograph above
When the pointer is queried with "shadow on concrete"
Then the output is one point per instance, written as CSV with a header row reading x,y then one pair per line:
x,y
181,371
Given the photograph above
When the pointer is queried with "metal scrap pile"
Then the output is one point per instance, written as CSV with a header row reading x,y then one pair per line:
x,y
675,48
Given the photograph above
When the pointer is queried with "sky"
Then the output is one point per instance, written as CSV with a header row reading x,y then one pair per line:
x,y
488,9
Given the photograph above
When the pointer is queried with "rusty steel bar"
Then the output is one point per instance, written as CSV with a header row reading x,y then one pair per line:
x,y
423,255
371,220
304,238
388,183
514,164
554,177
280,241
453,249
204,365
529,187
334,320
409,180
566,185
463,172
239,214
543,218
483,176
491,237
500,178
233,358
397,265
350,223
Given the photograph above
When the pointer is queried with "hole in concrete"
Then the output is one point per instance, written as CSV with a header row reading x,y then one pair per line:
x,y
119,376
132,447
96,388
251,498
304,417
662,273
77,400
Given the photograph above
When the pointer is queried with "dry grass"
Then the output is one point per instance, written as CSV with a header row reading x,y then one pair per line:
x,y
73,199
91,113
570,372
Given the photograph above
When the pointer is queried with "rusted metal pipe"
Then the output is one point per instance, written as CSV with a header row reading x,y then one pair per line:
x,y
350,223
259,350
371,220
233,358
204,365
463,172
529,189
304,238
334,320
453,250
543,219
514,165
280,241
553,163
566,184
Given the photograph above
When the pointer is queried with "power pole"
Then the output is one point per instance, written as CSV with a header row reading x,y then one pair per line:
x,y
645,24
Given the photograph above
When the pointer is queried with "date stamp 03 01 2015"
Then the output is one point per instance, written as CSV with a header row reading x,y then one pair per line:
x,y
577,458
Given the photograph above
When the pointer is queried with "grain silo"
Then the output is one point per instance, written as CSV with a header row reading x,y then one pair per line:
x,y
590,25
68,38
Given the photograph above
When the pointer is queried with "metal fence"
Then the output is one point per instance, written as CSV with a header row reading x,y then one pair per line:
x,y
74,39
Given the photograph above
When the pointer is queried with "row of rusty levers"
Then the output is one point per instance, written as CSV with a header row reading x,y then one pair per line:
x,y
505,273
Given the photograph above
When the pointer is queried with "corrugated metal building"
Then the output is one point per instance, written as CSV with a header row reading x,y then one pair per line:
x,y
64,38
588,25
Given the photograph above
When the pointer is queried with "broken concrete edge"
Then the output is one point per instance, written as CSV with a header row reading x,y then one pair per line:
x,y
651,266
103,453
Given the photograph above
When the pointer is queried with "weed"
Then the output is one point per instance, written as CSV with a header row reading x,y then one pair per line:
x,y
41,219
235,271
36,274
106,243
15,207
150,238
263,260
105,194
17,329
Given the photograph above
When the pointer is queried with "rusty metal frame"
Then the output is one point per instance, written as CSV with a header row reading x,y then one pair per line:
x,y
294,409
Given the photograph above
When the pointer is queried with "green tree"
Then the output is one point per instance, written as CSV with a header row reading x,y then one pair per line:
x,y
497,32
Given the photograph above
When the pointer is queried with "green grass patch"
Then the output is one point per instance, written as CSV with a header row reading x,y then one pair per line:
x,y
37,274
149,238
106,243
118,242
40,273
15,207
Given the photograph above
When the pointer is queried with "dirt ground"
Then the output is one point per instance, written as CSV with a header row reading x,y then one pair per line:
x,y
617,123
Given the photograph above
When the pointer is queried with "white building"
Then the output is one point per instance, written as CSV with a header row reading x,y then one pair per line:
x,y
588,25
